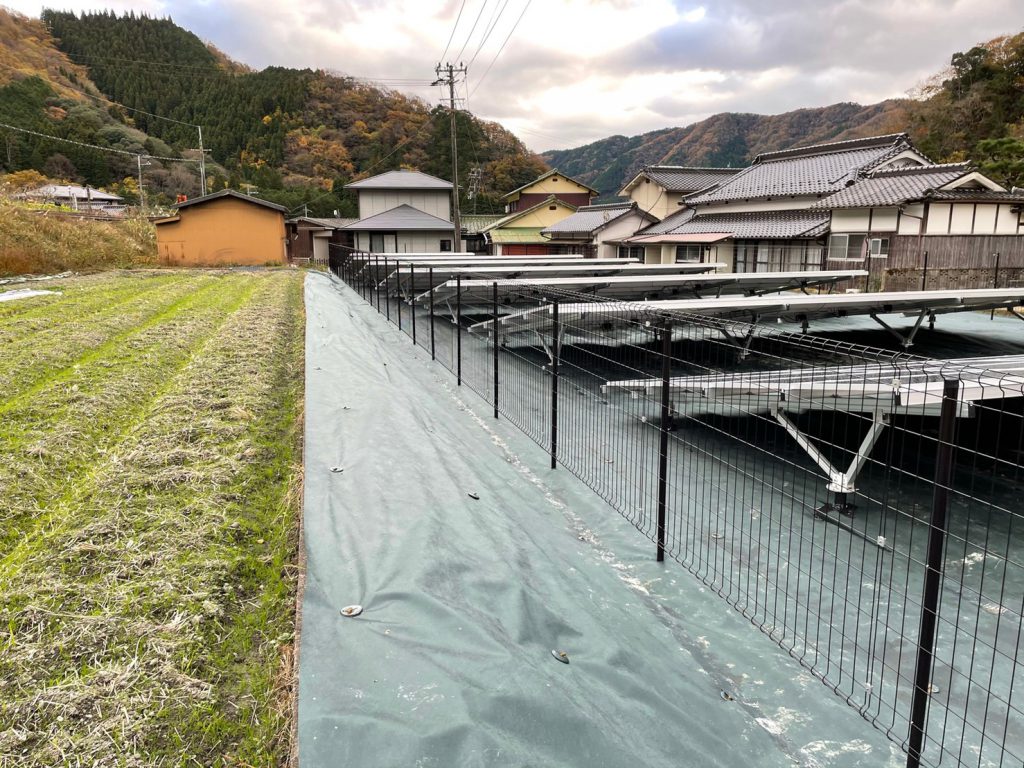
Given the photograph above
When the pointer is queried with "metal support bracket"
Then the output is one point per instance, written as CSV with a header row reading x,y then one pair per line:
x,y
840,481
906,340
744,345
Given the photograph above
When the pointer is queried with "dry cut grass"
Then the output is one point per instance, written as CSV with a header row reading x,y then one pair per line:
x,y
148,534
36,241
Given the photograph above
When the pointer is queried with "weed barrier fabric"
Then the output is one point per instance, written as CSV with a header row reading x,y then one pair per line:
x,y
473,562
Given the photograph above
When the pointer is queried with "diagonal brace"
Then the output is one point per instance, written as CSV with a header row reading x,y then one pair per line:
x,y
839,481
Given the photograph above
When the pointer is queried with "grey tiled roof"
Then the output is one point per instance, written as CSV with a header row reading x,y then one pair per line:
x,y
892,187
401,180
68,191
230,193
758,224
670,222
589,219
405,218
977,196
472,223
815,170
677,178
326,222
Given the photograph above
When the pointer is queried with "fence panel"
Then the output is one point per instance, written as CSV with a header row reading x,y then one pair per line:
x,y
858,506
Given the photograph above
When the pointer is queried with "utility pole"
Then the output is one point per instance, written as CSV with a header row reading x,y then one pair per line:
x,y
474,185
202,162
142,190
449,78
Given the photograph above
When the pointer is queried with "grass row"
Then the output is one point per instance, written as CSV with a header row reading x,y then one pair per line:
x,y
147,608
38,356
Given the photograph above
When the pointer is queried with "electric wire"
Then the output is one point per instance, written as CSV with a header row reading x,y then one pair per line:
x,y
454,28
472,30
502,48
491,24
97,147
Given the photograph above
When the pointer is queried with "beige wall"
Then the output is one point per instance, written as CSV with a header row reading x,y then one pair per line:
x,y
542,216
223,232
621,228
654,199
436,203
552,185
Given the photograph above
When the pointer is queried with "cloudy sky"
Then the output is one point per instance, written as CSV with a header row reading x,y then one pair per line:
x,y
574,71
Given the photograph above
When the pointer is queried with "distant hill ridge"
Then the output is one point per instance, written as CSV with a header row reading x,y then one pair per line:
x,y
728,139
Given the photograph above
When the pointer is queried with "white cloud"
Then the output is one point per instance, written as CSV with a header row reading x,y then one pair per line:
x,y
577,70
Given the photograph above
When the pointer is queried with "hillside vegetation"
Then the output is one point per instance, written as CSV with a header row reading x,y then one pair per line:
x,y
296,135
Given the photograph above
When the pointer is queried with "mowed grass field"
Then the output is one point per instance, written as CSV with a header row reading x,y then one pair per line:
x,y
150,478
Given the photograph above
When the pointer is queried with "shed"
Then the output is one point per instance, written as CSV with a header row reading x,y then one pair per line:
x,y
224,229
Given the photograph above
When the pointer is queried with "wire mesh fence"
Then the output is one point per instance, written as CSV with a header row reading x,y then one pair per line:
x,y
858,506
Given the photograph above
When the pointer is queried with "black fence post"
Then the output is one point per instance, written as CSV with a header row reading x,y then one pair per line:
x,y
995,284
494,304
458,330
556,330
933,572
924,272
373,279
433,355
666,372
412,297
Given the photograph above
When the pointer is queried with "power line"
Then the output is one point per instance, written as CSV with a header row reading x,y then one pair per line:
x,y
97,147
502,48
130,109
452,35
490,28
472,30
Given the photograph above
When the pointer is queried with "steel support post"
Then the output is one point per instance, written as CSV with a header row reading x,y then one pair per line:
x,y
433,353
666,372
556,330
494,305
933,573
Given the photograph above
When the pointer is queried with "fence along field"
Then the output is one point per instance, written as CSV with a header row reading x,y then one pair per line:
x,y
901,590
149,424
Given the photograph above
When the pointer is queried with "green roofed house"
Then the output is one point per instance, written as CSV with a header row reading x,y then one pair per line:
x,y
519,233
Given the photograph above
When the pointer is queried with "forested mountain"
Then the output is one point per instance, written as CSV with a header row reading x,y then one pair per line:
x,y
973,110
727,140
299,135
296,135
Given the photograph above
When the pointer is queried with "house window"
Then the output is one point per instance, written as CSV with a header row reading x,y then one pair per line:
x,y
631,252
552,207
878,248
446,245
846,247
688,254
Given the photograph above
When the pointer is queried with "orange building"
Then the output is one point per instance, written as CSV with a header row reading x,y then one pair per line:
x,y
225,229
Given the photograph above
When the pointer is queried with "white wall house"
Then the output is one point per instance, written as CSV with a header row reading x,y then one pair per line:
x,y
403,212
767,216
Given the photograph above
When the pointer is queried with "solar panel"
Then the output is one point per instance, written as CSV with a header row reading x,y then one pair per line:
x,y
788,307
642,284
378,269
908,387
